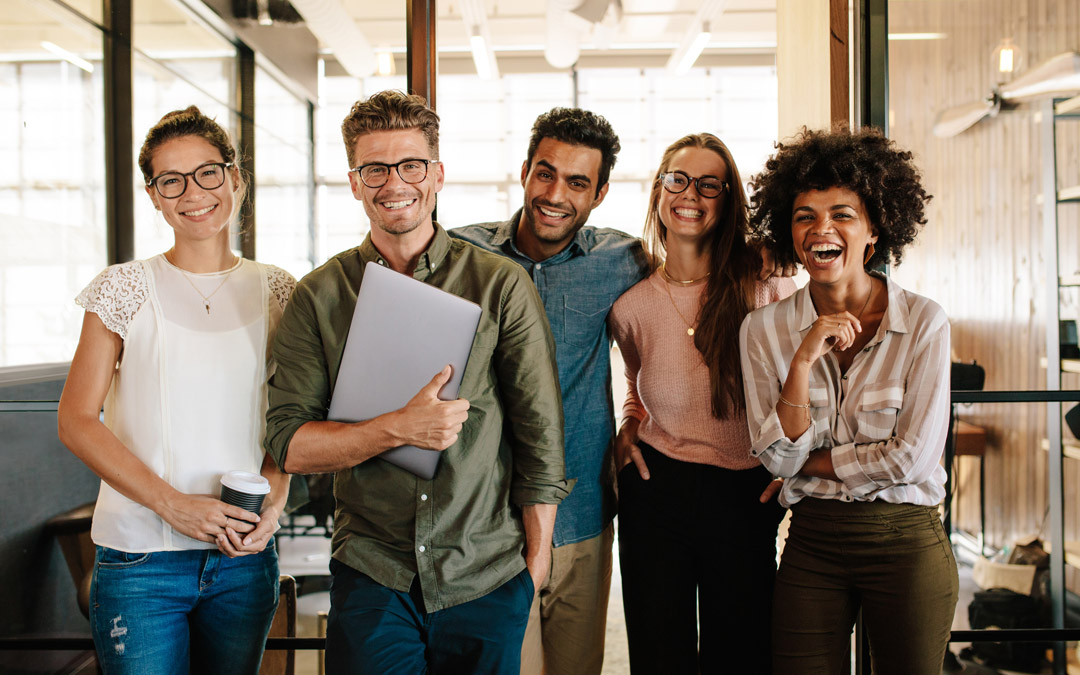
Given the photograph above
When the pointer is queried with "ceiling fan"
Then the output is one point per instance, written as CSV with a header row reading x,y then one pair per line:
x,y
1059,75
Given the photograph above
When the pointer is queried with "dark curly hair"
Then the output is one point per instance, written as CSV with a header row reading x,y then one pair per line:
x,y
578,127
862,161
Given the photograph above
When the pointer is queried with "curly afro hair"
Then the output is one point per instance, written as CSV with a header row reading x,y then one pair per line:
x,y
864,162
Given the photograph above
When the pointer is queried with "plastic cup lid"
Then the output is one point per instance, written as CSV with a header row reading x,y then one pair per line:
x,y
246,482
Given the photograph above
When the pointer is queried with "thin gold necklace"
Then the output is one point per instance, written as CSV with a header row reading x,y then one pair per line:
x,y
206,298
663,270
689,328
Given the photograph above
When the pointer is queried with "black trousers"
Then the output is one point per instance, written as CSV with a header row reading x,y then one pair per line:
x,y
696,550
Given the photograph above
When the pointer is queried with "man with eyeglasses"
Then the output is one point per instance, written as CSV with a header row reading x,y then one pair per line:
x,y
428,576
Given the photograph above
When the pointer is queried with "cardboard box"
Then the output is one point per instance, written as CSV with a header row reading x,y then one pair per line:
x,y
1016,578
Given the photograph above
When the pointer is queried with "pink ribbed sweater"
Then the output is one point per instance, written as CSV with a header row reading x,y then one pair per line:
x,y
667,379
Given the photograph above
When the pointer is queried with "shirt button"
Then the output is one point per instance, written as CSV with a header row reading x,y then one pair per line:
x,y
844,377
422,548
423,498
538,268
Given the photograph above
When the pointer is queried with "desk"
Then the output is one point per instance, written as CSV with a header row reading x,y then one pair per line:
x,y
970,440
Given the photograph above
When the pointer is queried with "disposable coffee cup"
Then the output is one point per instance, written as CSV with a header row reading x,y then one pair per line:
x,y
244,489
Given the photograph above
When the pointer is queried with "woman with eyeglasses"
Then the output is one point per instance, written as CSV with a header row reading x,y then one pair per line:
x,y
847,389
697,533
176,349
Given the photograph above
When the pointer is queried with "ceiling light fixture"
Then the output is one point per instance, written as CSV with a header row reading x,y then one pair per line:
x,y
68,56
914,37
1007,59
384,63
686,54
474,16
480,53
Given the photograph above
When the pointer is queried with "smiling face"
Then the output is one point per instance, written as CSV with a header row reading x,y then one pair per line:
x,y
396,208
560,192
831,231
688,215
198,214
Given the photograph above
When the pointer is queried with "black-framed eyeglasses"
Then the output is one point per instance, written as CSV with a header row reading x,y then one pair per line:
x,y
411,171
172,184
709,187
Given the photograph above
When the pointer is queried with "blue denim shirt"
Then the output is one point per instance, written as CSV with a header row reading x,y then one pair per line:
x,y
578,286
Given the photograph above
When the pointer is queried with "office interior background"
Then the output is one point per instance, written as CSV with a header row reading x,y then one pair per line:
x,y
999,253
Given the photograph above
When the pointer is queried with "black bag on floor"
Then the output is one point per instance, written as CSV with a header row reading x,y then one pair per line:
x,y
1002,608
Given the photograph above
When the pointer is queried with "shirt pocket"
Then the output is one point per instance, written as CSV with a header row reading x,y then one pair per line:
x,y
584,315
876,413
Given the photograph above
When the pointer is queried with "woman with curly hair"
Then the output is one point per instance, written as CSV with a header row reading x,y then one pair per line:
x,y
847,395
697,547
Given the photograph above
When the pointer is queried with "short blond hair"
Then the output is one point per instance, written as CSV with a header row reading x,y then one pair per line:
x,y
390,111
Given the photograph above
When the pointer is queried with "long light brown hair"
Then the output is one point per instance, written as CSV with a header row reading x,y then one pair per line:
x,y
729,291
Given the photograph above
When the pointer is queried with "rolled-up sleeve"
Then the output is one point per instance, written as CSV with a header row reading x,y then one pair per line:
x,y
762,382
299,391
528,382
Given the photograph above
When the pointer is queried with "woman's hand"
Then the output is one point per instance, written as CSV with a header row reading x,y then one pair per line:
x,y
235,544
771,490
627,450
829,332
204,517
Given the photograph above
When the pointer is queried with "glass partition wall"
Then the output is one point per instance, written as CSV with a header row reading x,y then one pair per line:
x,y
51,175
53,149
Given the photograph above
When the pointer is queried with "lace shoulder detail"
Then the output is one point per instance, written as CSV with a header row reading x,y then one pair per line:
x,y
116,295
281,284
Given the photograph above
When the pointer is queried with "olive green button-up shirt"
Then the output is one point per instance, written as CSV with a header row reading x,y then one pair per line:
x,y
461,532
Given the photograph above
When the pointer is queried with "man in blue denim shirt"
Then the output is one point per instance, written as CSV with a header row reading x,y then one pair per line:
x,y
580,271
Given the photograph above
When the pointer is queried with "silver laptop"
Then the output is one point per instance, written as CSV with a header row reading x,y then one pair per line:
x,y
403,333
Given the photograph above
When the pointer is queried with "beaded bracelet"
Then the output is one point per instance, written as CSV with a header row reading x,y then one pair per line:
x,y
793,405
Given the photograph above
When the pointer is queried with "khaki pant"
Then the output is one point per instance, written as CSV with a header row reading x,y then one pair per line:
x,y
893,561
569,614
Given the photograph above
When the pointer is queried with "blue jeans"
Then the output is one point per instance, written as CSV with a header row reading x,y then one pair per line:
x,y
182,611
375,629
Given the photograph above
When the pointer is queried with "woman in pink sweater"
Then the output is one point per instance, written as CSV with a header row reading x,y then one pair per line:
x,y
697,548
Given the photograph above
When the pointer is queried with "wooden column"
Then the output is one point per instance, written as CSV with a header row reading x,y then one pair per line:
x,y
421,57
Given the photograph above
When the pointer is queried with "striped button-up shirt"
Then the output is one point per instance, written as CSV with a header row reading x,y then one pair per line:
x,y
885,419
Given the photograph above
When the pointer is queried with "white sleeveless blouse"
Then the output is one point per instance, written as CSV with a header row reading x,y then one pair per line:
x,y
189,394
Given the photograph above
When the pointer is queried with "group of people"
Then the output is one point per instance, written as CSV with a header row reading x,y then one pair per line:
x,y
745,397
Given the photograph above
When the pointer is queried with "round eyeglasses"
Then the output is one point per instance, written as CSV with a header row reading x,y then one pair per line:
x,y
411,171
709,187
172,184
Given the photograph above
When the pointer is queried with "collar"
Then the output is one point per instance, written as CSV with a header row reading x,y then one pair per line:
x,y
506,237
431,259
896,319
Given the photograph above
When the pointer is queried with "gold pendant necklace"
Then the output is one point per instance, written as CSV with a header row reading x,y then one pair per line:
x,y
689,328
206,298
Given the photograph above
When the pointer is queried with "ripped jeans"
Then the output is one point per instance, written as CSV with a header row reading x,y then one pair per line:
x,y
177,612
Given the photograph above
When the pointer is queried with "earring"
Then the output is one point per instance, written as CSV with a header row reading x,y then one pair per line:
x,y
869,254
